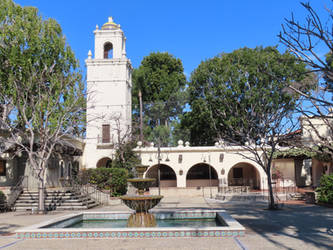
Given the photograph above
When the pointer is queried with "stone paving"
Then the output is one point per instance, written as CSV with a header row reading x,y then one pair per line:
x,y
295,226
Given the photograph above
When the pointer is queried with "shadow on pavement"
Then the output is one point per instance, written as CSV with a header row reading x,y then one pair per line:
x,y
308,223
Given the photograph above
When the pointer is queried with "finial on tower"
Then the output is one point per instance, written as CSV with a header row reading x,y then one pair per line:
x,y
110,25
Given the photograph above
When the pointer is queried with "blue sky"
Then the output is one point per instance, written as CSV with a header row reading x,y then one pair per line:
x,y
190,30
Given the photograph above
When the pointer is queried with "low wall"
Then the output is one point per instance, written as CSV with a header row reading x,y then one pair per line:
x,y
168,183
185,192
202,183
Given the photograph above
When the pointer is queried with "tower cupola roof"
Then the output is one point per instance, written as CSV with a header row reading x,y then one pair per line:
x,y
110,25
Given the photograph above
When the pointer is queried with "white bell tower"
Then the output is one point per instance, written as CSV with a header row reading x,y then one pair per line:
x,y
109,82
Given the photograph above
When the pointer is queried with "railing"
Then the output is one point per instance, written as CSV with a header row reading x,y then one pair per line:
x,y
90,191
234,189
16,191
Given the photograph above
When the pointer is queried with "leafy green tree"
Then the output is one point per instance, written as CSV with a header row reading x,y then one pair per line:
x,y
242,98
198,122
125,157
41,91
158,88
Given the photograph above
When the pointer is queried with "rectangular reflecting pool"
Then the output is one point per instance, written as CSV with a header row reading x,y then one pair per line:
x,y
160,223
170,223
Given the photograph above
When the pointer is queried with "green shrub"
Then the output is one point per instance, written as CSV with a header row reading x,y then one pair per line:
x,y
113,179
325,190
2,197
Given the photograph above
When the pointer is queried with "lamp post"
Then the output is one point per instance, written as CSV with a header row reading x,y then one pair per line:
x,y
158,165
210,177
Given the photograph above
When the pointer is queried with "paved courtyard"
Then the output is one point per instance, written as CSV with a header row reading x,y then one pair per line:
x,y
296,226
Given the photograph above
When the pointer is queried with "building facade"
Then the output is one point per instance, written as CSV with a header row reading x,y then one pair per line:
x,y
109,123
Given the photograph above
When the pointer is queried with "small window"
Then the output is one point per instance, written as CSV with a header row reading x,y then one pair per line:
x,y
108,50
2,168
221,157
180,158
106,133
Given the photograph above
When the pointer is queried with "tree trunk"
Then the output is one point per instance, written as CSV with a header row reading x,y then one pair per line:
x,y
41,192
270,188
141,122
41,197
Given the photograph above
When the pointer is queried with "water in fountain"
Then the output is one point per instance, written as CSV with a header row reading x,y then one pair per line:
x,y
141,203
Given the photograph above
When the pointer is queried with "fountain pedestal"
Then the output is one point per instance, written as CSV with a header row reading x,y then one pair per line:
x,y
141,203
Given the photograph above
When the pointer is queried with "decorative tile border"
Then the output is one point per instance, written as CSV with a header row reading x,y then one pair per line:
x,y
129,234
40,231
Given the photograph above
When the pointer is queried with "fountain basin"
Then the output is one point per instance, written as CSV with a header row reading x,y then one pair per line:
x,y
60,228
141,203
141,183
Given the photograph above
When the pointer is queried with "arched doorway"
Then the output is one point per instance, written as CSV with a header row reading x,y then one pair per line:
x,y
244,174
104,163
201,175
167,176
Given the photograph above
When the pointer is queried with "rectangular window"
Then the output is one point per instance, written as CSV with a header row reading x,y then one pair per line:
x,y
2,168
238,172
106,133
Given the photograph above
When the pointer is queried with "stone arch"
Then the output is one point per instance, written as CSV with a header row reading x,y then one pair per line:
x,y
201,175
244,174
104,162
167,174
108,50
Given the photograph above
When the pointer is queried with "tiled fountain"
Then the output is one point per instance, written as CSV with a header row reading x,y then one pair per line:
x,y
141,223
141,203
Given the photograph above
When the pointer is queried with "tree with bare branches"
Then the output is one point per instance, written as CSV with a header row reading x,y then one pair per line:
x,y
312,42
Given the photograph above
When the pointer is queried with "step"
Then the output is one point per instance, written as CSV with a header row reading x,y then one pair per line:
x,y
81,207
53,197
297,196
55,202
60,200
48,195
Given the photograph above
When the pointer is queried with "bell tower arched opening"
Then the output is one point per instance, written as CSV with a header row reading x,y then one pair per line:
x,y
108,50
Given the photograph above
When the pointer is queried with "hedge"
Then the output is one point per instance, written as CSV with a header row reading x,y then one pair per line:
x,y
113,179
325,190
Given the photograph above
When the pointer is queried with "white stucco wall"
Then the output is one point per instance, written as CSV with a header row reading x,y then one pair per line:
x,y
195,155
287,168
